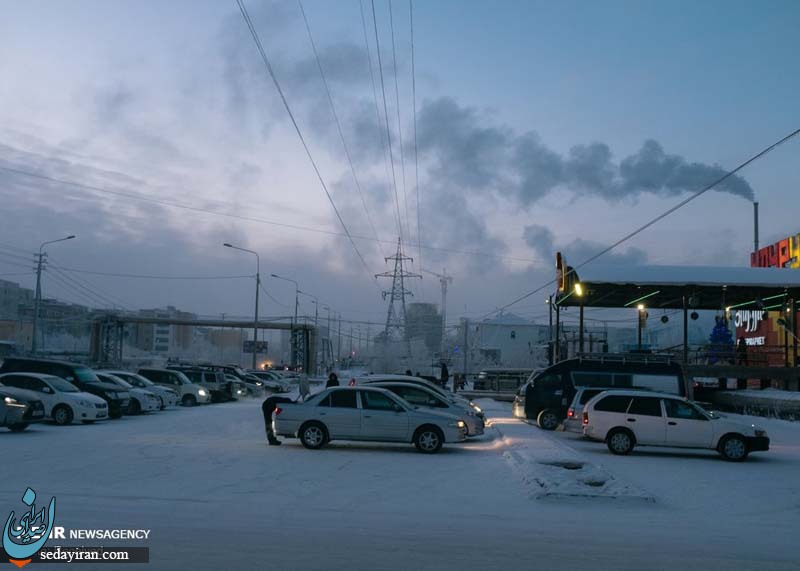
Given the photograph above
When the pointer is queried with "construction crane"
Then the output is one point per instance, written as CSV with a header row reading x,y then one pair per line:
x,y
444,279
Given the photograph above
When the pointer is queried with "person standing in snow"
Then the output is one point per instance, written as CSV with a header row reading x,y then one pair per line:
x,y
267,408
445,375
333,381
305,391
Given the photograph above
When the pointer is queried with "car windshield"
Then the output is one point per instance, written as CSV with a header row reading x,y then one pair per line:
x,y
122,383
60,385
86,375
182,379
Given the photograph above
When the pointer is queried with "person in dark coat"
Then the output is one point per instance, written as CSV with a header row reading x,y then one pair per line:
x,y
741,352
445,375
408,373
267,408
333,381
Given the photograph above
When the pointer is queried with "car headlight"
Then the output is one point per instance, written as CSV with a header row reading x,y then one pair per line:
x,y
461,424
475,407
202,392
85,403
13,402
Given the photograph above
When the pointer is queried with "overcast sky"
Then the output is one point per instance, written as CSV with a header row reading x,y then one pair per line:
x,y
541,126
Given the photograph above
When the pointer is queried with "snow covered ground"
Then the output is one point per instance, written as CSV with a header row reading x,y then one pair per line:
x,y
216,497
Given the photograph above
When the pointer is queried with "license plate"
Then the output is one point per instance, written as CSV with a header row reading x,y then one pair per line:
x,y
101,415
37,413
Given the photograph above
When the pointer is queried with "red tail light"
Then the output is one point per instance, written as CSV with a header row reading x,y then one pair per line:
x,y
278,410
352,382
570,413
585,417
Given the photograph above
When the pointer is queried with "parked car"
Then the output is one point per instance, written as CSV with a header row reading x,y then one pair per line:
x,y
419,396
574,420
214,382
455,398
141,400
63,402
365,413
167,395
189,394
272,382
247,388
500,379
546,397
79,375
19,408
625,419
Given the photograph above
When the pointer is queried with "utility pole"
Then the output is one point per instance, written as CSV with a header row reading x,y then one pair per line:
x,y
38,299
258,287
294,322
466,343
339,342
444,279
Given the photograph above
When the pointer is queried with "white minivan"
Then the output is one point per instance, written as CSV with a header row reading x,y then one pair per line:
x,y
624,419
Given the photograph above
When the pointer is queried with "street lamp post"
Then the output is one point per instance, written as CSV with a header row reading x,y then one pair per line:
x,y
258,286
294,323
37,302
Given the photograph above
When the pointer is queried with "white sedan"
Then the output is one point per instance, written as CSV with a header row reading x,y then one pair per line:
x,y
365,413
625,418
168,397
63,402
141,400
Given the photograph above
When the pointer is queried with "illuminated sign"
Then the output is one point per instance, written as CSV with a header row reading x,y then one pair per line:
x,y
749,319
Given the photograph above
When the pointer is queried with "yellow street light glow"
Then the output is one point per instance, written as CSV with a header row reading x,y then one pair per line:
x,y
640,307
578,289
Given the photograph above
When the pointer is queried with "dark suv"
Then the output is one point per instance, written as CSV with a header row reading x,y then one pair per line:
x,y
79,375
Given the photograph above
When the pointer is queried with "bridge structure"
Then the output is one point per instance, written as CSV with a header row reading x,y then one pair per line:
x,y
107,335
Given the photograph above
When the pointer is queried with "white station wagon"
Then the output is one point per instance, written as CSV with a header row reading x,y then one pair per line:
x,y
365,413
624,419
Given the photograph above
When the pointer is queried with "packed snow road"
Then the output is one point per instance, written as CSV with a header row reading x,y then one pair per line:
x,y
214,496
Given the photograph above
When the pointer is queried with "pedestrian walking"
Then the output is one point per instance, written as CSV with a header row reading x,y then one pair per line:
x,y
305,391
267,408
408,373
333,381
445,375
741,352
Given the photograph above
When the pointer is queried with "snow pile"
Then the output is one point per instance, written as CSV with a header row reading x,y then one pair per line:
x,y
550,469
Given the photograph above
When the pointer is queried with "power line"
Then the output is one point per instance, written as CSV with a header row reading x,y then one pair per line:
x,y
336,118
105,299
399,122
274,78
135,196
17,274
386,117
155,277
416,153
269,295
660,217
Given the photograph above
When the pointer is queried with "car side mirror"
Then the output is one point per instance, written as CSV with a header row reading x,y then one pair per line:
x,y
47,390
398,408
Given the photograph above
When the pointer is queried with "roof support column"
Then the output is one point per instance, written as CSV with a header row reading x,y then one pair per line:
x,y
685,332
580,334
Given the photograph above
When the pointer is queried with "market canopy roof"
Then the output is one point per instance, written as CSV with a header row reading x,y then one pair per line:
x,y
665,286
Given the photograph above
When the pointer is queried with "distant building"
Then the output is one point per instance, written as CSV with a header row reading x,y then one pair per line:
x,y
423,321
162,338
12,296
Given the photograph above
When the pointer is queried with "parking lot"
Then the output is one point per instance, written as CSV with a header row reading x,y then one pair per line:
x,y
215,496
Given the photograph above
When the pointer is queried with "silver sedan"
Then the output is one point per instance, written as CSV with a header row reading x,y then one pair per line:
x,y
365,413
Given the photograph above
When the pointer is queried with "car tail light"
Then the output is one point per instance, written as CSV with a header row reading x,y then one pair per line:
x,y
352,382
278,410
585,417
570,413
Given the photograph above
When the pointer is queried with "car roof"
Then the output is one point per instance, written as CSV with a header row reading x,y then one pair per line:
x,y
41,376
37,360
640,392
400,383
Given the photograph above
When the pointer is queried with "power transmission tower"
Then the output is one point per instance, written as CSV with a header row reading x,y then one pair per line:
x,y
396,320
444,279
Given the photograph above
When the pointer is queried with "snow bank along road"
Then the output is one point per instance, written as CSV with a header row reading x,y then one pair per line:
x,y
216,497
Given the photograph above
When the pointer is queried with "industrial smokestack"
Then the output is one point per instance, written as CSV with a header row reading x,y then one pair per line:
x,y
755,226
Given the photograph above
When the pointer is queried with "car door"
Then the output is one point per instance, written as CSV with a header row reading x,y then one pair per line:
x,y
548,393
687,426
646,419
382,418
340,413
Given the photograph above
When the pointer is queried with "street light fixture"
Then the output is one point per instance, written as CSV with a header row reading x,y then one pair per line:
x,y
38,299
294,323
258,286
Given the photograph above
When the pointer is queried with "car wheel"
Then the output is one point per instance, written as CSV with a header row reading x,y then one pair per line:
x,y
189,400
733,448
620,441
18,427
428,439
134,407
62,415
547,420
162,405
313,435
